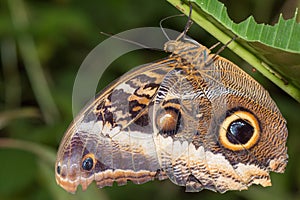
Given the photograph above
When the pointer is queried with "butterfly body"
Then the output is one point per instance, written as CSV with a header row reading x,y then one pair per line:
x,y
194,118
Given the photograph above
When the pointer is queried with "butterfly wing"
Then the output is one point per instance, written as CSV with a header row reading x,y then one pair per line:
x,y
202,126
112,139
227,133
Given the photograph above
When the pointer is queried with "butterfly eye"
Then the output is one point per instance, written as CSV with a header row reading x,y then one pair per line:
x,y
168,121
170,48
88,162
239,131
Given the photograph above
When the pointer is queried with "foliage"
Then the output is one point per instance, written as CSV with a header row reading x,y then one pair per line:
x,y
274,50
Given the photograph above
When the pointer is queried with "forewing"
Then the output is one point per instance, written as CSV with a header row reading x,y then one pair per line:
x,y
114,133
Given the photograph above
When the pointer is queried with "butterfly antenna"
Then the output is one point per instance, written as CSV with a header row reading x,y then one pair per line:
x,y
125,40
161,27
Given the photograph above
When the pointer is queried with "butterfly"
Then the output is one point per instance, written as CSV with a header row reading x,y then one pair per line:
x,y
194,118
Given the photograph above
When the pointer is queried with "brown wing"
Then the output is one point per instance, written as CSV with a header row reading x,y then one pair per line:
x,y
218,129
112,138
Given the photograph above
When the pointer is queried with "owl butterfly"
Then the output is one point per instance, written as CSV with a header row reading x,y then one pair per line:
x,y
194,118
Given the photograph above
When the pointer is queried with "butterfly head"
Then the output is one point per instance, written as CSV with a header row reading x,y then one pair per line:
x,y
178,46
182,46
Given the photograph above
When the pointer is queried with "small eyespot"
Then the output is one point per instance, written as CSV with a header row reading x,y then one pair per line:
x,y
58,169
239,131
168,121
88,162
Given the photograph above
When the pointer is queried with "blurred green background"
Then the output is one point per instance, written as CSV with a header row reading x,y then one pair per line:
x,y
42,45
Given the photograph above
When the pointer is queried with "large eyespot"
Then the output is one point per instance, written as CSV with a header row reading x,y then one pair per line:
x,y
168,121
88,162
239,131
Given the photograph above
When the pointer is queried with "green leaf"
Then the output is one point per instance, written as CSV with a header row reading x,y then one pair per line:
x,y
273,50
